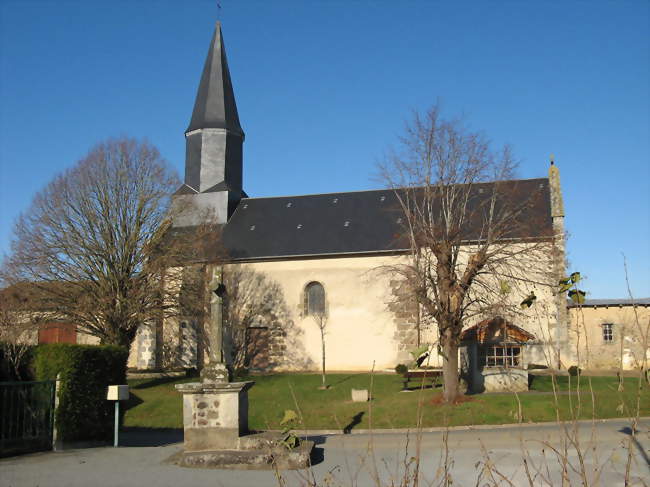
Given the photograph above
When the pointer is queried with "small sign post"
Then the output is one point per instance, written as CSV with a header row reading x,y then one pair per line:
x,y
117,393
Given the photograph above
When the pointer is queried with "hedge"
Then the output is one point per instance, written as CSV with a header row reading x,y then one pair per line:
x,y
86,371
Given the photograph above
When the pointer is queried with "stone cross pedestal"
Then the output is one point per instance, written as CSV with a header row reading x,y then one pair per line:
x,y
215,415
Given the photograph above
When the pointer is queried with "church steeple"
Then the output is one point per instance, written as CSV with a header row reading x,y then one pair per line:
x,y
215,105
213,144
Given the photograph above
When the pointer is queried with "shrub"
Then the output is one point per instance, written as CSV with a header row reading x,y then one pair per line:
x,y
574,371
86,371
401,369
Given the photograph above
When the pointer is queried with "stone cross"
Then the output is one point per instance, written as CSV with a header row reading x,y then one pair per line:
x,y
216,370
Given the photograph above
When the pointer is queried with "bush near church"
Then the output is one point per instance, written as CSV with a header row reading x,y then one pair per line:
x,y
86,371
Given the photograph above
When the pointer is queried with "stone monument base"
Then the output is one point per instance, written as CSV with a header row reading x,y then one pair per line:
x,y
215,423
261,451
215,414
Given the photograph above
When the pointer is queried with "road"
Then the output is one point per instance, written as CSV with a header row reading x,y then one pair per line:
x,y
380,459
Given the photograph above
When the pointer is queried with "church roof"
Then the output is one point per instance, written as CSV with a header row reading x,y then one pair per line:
x,y
215,105
362,222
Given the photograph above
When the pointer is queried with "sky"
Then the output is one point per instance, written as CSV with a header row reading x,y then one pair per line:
x,y
324,89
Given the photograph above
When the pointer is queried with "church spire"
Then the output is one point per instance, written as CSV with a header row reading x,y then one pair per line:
x,y
213,146
215,105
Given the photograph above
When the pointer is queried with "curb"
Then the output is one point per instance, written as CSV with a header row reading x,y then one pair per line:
x,y
439,429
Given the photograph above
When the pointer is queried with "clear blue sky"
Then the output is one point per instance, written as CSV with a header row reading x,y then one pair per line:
x,y
324,87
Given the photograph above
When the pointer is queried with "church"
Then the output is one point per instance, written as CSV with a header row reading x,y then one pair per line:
x,y
307,269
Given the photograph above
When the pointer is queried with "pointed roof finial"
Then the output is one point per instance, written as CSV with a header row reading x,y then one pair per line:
x,y
552,159
215,105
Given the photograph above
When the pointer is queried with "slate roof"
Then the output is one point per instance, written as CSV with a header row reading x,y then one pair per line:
x,y
215,105
35,296
362,222
595,303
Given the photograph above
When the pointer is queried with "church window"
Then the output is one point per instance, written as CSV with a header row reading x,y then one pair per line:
x,y
500,356
314,299
608,332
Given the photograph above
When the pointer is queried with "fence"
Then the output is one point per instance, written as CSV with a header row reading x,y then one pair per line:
x,y
26,416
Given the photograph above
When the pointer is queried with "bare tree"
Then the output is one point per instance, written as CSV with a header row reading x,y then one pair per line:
x,y
18,326
93,243
320,318
469,229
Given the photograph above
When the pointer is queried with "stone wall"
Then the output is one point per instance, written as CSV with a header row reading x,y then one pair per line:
x,y
405,316
360,327
142,355
366,304
626,350
502,379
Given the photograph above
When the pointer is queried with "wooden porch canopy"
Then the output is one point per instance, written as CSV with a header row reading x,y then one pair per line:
x,y
496,330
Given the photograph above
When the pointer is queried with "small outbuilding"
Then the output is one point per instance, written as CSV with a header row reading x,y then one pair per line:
x,y
493,356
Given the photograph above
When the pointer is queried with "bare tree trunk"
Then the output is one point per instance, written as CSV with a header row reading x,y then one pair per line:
x,y
450,371
418,325
322,340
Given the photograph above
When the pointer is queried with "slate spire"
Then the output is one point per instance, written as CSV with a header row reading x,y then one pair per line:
x,y
215,105
213,146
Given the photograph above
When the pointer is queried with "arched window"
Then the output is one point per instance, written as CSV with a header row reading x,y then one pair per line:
x,y
314,299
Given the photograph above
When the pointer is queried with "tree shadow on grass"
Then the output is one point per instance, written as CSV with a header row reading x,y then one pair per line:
x,y
157,382
341,380
356,419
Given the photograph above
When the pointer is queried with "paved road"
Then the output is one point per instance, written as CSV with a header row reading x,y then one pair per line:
x,y
357,460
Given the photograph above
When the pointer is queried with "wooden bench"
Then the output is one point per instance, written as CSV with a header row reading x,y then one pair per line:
x,y
423,375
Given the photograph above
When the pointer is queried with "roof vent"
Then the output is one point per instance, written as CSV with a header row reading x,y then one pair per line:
x,y
299,226
346,224
289,204
383,198
252,227
245,206
335,200
480,190
399,220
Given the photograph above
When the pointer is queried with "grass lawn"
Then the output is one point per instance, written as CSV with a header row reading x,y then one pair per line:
x,y
156,404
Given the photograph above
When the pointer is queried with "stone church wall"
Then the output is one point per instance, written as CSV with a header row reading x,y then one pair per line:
x,y
370,317
360,327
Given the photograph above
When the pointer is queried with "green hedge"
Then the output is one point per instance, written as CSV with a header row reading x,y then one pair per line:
x,y
86,371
